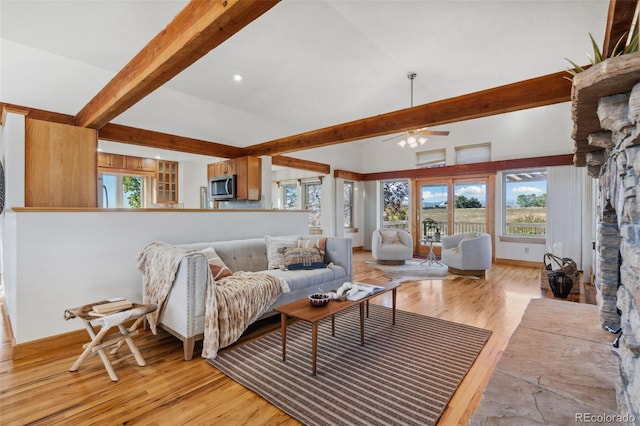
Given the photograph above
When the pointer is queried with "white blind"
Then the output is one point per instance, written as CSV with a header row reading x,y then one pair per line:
x,y
473,153
433,158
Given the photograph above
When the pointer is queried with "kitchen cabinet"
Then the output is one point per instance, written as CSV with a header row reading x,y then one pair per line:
x,y
141,164
248,171
116,163
111,161
166,182
222,168
60,165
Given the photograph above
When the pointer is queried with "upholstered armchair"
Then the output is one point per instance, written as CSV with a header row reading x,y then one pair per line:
x,y
391,246
467,254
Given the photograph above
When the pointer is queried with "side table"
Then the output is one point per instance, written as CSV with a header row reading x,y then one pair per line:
x,y
107,322
431,257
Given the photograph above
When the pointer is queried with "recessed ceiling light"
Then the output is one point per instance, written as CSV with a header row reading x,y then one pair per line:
x,y
237,77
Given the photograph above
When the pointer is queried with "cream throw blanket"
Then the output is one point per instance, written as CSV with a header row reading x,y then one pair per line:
x,y
159,263
233,303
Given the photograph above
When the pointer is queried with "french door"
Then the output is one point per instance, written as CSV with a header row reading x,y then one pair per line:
x,y
448,205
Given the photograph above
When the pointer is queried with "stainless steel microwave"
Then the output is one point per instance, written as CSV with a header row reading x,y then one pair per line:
x,y
222,188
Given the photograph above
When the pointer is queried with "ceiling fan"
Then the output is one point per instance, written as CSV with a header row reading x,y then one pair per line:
x,y
416,137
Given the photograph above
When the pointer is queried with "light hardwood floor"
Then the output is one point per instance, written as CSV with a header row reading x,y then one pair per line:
x,y
169,390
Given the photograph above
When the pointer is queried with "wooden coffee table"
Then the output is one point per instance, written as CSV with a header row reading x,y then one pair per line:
x,y
302,309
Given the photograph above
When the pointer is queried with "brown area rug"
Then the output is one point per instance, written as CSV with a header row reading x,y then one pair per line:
x,y
405,374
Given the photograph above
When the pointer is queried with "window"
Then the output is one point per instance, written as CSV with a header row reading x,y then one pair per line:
x,y
434,216
312,193
451,205
473,153
348,204
290,196
469,206
125,191
433,158
395,196
525,203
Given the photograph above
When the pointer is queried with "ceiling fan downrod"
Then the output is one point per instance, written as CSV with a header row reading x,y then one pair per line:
x,y
411,76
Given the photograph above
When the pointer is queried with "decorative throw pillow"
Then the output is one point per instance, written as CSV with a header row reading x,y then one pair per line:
x,y
275,250
389,236
319,243
303,258
217,266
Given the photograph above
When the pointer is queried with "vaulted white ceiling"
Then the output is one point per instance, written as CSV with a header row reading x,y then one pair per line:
x,y
316,63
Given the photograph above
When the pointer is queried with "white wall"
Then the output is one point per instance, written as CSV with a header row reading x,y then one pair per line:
x,y
530,133
61,260
12,140
39,79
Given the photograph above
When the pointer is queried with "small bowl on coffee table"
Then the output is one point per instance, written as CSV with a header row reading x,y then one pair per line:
x,y
319,299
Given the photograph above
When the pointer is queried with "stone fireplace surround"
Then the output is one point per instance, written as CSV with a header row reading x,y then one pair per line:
x,y
606,114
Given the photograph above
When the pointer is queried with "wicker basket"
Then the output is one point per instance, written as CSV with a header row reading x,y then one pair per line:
x,y
561,275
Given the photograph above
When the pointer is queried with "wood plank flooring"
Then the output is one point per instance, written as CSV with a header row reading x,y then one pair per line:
x,y
169,390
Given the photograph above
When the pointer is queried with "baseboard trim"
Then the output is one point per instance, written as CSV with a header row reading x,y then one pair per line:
x,y
7,322
515,262
46,345
357,248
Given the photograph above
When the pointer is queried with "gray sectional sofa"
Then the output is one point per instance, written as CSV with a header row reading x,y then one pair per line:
x,y
184,312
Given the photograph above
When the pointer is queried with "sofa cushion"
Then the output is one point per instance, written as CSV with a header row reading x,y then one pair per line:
x,y
310,278
275,250
319,243
216,265
303,258
389,236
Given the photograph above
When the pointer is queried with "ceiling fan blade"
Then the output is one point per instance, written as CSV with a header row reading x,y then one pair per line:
x,y
435,132
391,138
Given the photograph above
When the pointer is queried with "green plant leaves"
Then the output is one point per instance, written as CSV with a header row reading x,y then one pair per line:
x,y
597,53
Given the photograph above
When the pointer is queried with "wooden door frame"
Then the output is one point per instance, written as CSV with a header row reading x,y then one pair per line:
x,y
488,178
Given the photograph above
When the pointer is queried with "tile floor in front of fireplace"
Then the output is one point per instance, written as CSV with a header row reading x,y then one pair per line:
x,y
558,368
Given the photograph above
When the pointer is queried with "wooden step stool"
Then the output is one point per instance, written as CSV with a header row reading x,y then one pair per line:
x,y
106,322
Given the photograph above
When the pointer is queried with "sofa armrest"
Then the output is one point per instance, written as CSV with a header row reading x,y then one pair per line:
x,y
451,241
405,238
184,310
339,251
376,239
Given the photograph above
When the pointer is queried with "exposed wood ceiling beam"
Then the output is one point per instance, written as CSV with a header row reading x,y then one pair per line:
x,y
619,21
465,169
545,90
198,28
346,174
134,136
296,163
37,114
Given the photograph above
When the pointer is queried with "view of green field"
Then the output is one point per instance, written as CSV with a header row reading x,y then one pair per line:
x,y
529,220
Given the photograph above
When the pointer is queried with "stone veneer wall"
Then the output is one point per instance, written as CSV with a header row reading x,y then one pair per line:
x,y
618,236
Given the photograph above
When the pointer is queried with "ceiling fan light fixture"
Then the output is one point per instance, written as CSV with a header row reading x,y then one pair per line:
x,y
415,137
